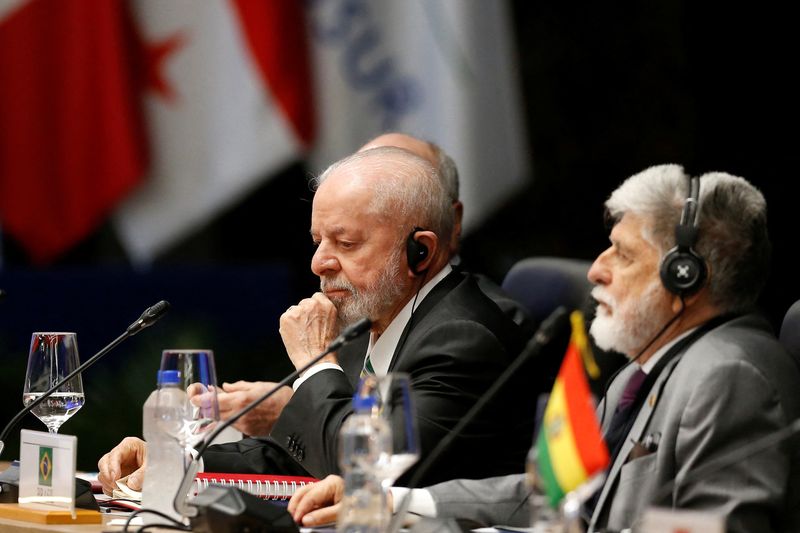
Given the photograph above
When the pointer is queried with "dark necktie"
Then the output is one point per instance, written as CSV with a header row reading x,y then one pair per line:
x,y
631,390
618,428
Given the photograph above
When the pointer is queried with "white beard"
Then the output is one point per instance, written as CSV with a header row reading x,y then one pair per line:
x,y
629,327
370,302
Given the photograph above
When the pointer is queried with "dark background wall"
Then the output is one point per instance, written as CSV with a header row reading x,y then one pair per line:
x,y
608,90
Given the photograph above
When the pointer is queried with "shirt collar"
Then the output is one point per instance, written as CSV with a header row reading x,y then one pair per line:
x,y
381,351
651,363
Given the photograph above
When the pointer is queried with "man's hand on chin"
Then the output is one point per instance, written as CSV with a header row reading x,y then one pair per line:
x,y
307,328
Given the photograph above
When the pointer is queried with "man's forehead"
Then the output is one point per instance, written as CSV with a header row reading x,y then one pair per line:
x,y
629,233
629,228
342,190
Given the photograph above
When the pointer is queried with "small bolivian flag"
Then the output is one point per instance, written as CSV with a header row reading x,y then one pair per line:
x,y
570,445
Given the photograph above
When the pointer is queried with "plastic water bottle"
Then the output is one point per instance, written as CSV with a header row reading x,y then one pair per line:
x,y
542,515
364,441
165,456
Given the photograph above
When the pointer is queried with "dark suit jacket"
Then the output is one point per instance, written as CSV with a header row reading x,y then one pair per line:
x,y
454,347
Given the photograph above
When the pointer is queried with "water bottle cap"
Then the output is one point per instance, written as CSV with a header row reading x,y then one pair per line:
x,y
169,377
363,403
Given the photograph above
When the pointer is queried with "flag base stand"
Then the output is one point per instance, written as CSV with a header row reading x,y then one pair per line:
x,y
13,511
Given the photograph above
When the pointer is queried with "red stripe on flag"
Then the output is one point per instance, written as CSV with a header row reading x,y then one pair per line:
x,y
277,37
71,137
588,440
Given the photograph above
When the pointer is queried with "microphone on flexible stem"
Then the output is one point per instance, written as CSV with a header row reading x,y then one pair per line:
x,y
148,318
540,339
192,509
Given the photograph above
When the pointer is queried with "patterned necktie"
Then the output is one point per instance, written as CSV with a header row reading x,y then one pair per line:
x,y
367,370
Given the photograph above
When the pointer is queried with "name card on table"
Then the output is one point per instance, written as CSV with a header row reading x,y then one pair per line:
x,y
47,470
660,520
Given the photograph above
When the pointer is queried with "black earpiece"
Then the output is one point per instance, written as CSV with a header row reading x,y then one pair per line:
x,y
682,270
416,252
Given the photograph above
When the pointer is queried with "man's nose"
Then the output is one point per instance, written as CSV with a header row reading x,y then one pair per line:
x,y
322,262
599,273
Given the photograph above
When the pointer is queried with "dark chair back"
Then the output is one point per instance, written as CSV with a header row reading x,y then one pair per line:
x,y
541,284
790,330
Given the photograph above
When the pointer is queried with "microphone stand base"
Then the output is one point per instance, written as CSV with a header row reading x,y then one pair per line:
x,y
232,510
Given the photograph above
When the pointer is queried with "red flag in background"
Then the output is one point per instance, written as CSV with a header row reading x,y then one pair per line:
x,y
71,137
274,33
231,107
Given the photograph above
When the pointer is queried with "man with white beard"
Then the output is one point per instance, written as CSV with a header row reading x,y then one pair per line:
x,y
676,291
381,223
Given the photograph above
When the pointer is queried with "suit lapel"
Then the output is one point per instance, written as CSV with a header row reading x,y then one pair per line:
x,y
634,435
431,300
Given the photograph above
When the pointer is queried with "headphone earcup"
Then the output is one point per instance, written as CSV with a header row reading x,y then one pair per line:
x,y
682,272
416,252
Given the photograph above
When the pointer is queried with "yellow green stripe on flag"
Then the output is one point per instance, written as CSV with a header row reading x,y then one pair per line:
x,y
570,445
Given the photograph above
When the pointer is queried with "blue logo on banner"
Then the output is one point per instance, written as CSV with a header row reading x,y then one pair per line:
x,y
366,64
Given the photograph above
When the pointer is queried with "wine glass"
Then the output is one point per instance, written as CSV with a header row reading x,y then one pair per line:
x,y
396,404
52,356
187,409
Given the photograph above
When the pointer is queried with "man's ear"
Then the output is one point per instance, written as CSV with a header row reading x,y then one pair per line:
x,y
430,241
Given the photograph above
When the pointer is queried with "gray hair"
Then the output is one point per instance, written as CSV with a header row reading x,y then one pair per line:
x,y
410,193
732,227
448,171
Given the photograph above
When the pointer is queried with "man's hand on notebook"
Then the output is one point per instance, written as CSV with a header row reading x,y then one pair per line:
x,y
126,459
318,504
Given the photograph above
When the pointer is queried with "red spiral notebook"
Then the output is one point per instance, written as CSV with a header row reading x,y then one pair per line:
x,y
269,487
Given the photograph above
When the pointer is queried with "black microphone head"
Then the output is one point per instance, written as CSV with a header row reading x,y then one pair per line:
x,y
154,312
2,294
350,332
356,330
550,325
149,317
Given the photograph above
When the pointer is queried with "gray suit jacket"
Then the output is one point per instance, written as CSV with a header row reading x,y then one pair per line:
x,y
491,501
732,386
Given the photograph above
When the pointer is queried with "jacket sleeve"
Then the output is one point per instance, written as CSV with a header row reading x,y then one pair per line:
x,y
493,501
308,427
712,427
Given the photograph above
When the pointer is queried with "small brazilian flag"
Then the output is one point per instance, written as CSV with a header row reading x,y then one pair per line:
x,y
45,466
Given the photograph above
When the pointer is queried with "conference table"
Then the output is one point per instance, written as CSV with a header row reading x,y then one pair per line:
x,y
16,526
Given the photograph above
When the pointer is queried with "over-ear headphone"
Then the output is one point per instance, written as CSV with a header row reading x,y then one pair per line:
x,y
416,252
682,270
